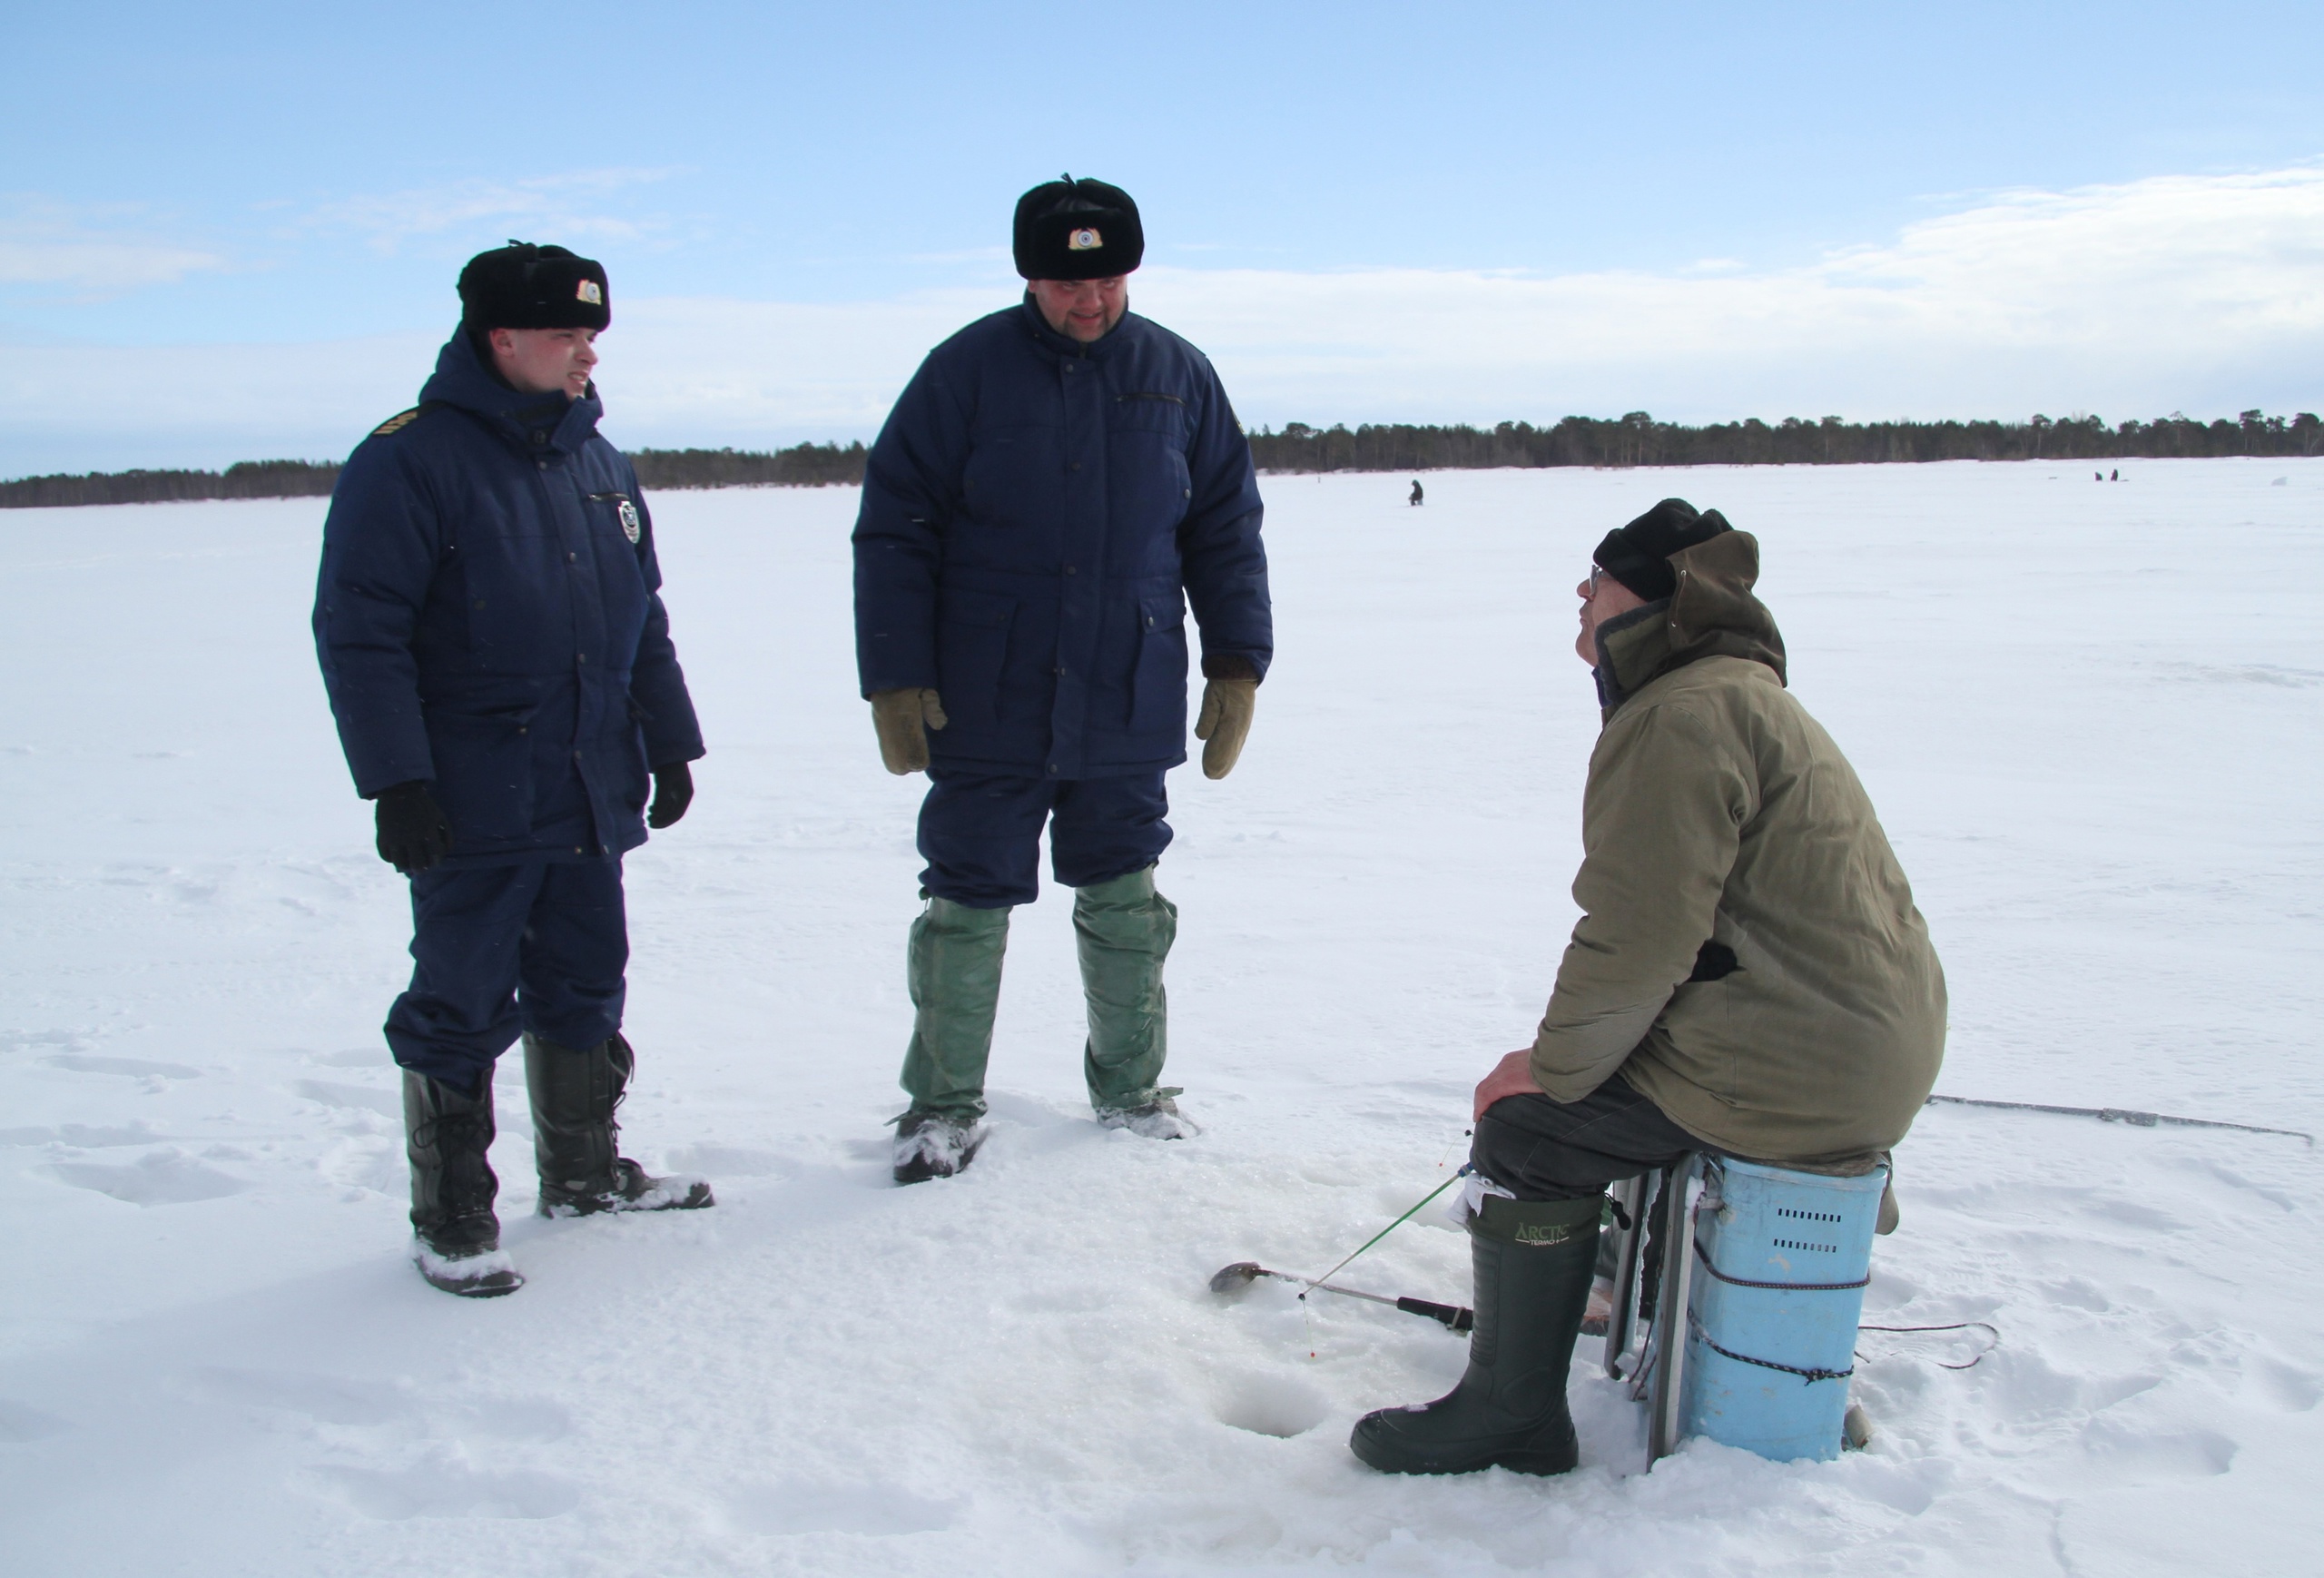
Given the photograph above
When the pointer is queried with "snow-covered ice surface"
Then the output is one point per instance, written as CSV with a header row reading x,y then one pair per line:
x,y
2089,715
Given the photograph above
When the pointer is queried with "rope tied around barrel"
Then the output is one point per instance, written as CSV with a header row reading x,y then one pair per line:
x,y
1809,1374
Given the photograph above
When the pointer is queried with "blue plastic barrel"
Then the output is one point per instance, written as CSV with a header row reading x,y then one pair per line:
x,y
1774,1296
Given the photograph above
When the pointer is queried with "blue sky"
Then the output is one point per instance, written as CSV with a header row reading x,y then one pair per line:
x,y
214,218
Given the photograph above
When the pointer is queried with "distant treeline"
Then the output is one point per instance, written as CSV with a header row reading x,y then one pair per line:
x,y
1634,439
1637,439
245,479
801,466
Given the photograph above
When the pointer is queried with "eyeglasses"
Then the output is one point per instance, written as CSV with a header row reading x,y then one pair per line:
x,y
1597,573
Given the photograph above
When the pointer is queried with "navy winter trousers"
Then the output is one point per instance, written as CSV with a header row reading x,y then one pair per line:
x,y
982,834
499,950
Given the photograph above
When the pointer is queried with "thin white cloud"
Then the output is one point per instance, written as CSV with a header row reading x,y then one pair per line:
x,y
570,204
2104,297
2198,292
77,407
2128,299
90,251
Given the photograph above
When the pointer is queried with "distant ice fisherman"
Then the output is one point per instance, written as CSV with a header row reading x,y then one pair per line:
x,y
1054,485
1749,976
490,625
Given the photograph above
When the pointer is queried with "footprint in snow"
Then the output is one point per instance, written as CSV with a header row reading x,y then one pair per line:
x,y
2141,1454
326,1399
164,1178
136,1067
359,1098
345,1401
531,1419
446,1490
81,1135
353,1058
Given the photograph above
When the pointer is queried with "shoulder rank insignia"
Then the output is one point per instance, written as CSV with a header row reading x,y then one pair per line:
x,y
396,423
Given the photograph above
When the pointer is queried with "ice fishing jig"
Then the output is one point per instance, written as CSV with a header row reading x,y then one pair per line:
x,y
1243,1273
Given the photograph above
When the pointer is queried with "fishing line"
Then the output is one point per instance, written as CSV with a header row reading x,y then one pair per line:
x,y
1466,1169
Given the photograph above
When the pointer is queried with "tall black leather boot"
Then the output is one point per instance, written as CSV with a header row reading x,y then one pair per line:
x,y
1534,1262
574,1093
447,1135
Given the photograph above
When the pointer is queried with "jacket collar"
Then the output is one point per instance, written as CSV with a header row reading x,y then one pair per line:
x,y
532,423
1713,614
1057,344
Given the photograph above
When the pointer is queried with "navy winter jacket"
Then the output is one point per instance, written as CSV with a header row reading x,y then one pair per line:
x,y
489,618
1032,513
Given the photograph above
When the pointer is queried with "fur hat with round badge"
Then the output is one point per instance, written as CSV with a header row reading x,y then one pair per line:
x,y
1638,555
523,286
1077,230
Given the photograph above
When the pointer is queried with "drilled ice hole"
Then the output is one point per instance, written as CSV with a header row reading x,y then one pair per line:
x,y
1278,1406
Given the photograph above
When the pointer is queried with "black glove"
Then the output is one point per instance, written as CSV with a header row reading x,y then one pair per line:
x,y
413,834
672,792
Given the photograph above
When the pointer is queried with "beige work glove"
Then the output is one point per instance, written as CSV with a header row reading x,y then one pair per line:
x,y
1224,721
903,718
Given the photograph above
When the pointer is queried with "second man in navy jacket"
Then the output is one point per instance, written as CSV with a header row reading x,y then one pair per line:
x,y
1056,485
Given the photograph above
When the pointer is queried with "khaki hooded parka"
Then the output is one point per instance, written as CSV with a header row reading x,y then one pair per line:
x,y
1749,957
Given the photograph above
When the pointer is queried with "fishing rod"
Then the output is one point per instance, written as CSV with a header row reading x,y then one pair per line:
x,y
1243,1273
2136,1119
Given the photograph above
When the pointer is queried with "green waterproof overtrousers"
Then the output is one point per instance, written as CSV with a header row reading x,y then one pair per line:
x,y
1123,929
952,966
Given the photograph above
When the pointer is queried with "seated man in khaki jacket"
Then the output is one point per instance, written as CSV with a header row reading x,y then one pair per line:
x,y
1748,976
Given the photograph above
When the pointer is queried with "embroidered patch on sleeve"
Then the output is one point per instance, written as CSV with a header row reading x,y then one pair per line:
x,y
396,423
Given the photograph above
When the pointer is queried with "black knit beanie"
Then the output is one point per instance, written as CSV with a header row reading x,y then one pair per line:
x,y
522,286
1638,555
1077,230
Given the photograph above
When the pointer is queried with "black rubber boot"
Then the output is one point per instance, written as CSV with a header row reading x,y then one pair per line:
x,y
447,1136
1533,1262
574,1093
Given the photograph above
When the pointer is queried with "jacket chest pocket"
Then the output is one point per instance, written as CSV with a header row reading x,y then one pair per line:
x,y
618,514
617,525
1147,436
1147,417
1150,407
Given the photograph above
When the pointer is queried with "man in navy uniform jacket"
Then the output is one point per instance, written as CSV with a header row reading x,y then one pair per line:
x,y
1055,486
490,625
